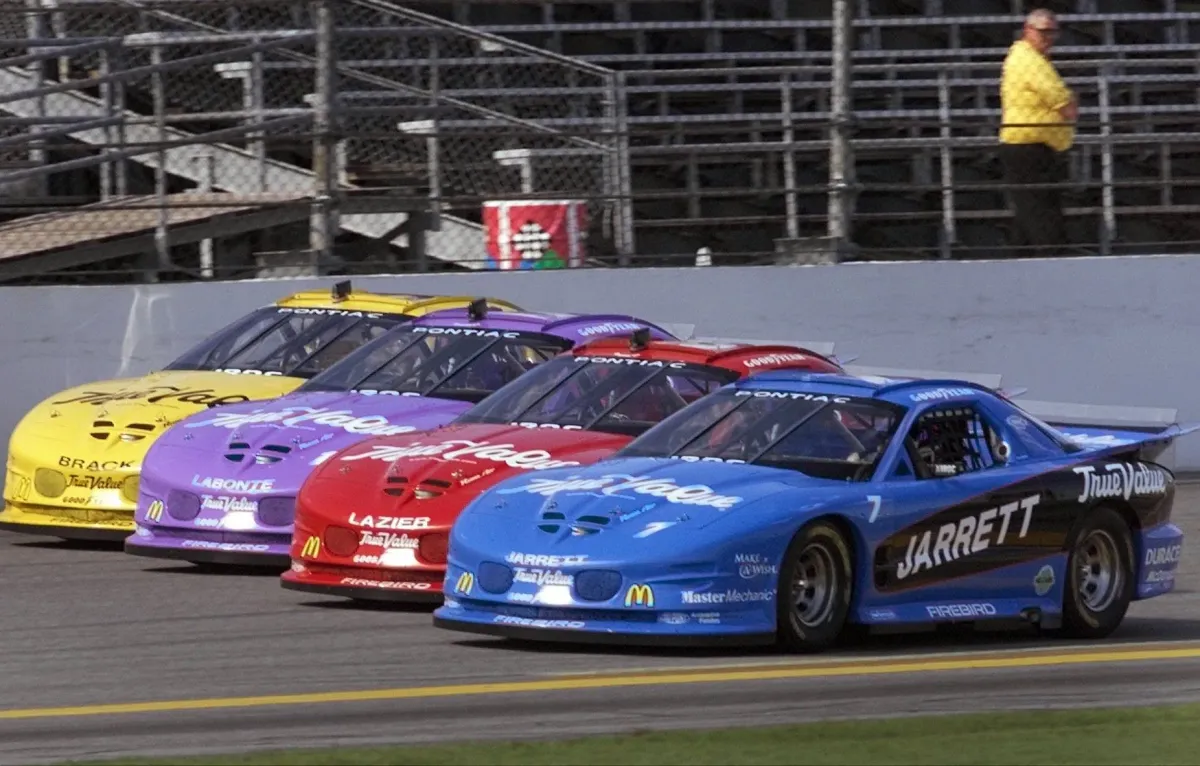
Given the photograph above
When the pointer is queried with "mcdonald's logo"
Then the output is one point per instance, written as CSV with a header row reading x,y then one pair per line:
x,y
465,581
639,595
154,512
312,547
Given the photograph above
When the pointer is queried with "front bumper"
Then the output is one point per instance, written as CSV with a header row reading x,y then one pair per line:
x,y
364,585
240,549
96,524
581,626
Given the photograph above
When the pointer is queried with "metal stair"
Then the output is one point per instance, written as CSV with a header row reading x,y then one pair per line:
x,y
232,169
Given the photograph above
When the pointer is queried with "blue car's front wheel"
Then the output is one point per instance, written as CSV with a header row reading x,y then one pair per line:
x,y
815,588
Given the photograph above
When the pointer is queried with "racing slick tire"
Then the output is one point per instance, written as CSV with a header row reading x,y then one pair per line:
x,y
1100,575
816,584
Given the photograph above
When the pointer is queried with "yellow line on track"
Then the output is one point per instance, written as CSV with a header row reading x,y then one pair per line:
x,y
832,669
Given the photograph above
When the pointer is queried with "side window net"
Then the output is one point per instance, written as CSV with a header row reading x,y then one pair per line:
x,y
952,441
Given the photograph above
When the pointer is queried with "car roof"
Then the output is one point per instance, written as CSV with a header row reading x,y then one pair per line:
x,y
905,393
742,358
343,296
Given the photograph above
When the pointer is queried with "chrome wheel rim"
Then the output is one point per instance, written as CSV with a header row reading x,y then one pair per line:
x,y
1098,570
813,585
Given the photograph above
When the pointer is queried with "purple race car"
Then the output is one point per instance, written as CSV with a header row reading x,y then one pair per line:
x,y
220,486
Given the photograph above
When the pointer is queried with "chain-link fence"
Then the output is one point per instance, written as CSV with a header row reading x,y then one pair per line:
x,y
182,139
399,133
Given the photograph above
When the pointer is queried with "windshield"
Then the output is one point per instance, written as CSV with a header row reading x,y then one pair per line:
x,y
447,362
616,395
823,436
282,341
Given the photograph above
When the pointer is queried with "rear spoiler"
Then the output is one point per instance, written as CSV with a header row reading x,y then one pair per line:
x,y
1152,431
824,348
988,379
679,330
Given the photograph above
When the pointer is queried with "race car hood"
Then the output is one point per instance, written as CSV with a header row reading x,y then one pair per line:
x,y
120,419
435,474
276,444
605,511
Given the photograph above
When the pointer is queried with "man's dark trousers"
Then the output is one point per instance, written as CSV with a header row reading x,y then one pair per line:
x,y
1038,212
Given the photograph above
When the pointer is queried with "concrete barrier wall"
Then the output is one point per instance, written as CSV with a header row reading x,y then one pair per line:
x,y
1120,331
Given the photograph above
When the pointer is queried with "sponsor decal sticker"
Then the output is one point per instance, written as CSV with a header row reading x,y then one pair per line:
x,y
768,359
630,362
529,622
312,547
235,371
358,582
79,464
389,522
332,313
538,576
466,581
951,611
226,504
639,595
1096,442
236,486
794,395
937,394
619,484
155,511
1044,581
388,540
654,526
155,394
462,449
305,417
215,546
466,332
93,482
1123,480
751,565
727,597
966,537
542,560
610,328
1163,554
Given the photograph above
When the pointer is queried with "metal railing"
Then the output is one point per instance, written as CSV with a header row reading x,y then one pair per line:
x,y
364,135
378,123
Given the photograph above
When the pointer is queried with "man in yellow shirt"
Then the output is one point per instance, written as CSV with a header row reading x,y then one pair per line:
x,y
1038,111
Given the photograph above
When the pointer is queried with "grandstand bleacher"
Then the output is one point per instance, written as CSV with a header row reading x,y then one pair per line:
x,y
717,99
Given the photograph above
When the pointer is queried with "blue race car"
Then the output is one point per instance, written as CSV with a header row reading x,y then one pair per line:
x,y
788,505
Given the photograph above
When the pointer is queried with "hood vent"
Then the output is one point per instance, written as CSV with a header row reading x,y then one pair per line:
x,y
102,430
553,521
270,453
426,490
395,485
431,488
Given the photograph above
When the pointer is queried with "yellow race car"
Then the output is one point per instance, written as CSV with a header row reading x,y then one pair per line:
x,y
74,459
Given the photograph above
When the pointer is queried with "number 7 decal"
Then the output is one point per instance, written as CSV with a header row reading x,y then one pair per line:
x,y
875,501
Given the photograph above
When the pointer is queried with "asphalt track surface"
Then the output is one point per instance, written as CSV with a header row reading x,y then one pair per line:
x,y
107,655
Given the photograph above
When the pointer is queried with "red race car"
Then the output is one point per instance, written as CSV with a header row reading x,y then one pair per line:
x,y
373,521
